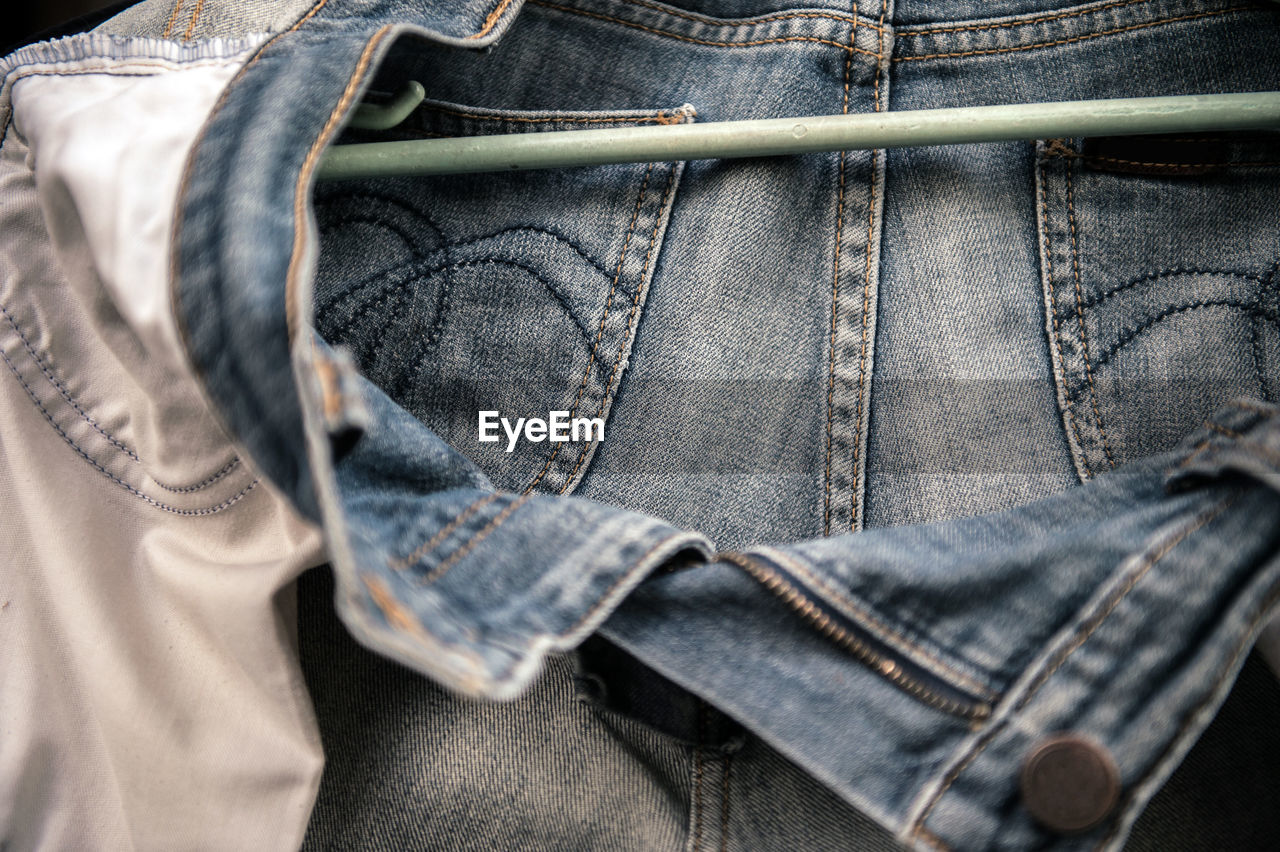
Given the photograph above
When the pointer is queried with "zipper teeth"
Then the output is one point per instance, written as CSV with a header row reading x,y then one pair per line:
x,y
880,663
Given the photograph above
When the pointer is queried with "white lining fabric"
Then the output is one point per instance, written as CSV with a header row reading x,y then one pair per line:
x,y
150,690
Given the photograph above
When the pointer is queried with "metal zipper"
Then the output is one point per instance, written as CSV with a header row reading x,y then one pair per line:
x,y
861,643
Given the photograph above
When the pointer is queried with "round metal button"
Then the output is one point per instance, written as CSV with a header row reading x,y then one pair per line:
x,y
1069,783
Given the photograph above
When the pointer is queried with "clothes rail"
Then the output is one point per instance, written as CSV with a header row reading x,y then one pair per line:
x,y
776,136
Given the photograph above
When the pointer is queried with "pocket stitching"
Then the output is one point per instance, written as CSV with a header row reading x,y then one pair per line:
x,y
1084,339
613,288
1129,335
1094,301
47,369
664,117
1053,309
80,451
627,332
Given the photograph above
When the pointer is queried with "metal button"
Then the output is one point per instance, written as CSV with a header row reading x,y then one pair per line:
x,y
1069,783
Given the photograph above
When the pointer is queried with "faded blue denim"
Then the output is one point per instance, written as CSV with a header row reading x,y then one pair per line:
x,y
819,373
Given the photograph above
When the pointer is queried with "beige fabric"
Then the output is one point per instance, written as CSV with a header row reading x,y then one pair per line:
x,y
150,693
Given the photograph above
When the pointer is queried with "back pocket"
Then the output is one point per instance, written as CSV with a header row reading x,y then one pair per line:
x,y
513,292
1159,261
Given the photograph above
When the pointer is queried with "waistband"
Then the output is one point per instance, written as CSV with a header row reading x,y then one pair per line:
x,y
922,28
923,672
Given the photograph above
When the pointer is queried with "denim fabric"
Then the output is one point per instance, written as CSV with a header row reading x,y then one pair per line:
x,y
1157,592
887,475
784,350
198,20
409,766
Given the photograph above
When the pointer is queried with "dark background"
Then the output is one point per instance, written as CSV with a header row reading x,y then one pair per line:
x,y
35,21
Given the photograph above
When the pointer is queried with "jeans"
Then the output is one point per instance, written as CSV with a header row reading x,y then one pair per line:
x,y
914,459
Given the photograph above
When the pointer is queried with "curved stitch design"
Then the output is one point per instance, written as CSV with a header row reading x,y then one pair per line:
x,y
393,274
397,304
62,390
1129,335
446,245
426,342
71,400
203,484
414,270
108,474
551,288
384,279
377,221
599,267
387,222
390,201
1092,300
396,274
410,243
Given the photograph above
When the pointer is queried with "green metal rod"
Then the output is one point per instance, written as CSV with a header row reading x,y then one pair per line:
x,y
771,137
387,116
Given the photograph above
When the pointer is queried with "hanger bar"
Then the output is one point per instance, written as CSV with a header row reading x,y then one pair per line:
x,y
775,136
388,115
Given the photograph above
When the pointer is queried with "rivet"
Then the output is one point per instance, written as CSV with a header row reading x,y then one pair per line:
x,y
1070,783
